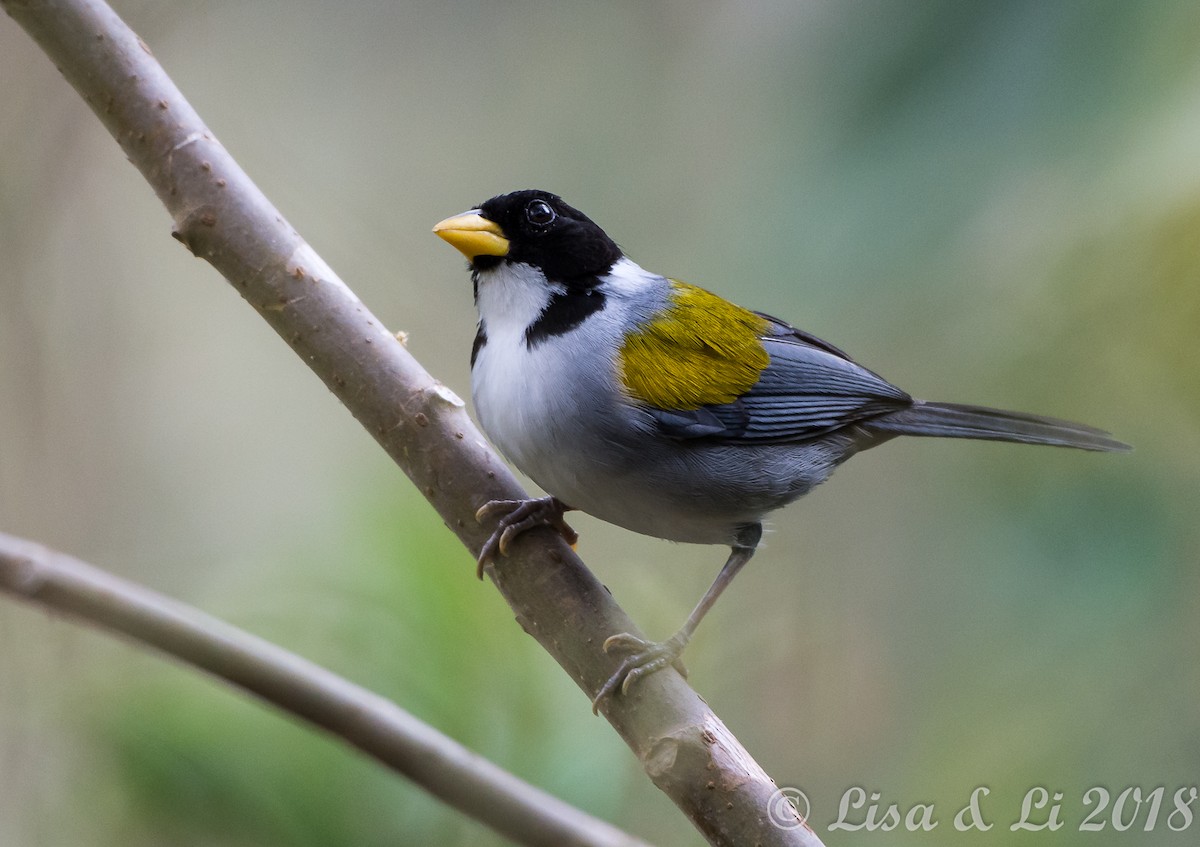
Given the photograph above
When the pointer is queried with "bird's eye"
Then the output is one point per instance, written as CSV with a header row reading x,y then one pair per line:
x,y
539,213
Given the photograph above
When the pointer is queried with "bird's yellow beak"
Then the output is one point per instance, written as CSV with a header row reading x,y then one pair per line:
x,y
472,235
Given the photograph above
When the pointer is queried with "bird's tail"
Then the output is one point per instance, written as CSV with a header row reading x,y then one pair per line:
x,y
951,420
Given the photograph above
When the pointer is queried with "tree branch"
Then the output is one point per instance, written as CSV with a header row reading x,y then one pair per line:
x,y
223,218
376,726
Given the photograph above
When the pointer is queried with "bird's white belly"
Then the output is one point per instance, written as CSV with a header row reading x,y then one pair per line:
x,y
595,458
529,404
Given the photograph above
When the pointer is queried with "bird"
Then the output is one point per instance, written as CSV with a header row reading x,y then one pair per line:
x,y
661,407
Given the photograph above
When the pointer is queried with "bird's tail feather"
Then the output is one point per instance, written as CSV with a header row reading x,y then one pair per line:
x,y
951,420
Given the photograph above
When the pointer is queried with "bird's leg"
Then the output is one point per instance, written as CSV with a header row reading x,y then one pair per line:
x,y
645,657
516,517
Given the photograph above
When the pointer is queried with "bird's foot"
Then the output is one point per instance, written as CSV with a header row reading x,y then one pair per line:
x,y
516,517
642,659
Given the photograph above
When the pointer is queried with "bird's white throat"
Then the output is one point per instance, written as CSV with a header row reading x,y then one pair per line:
x,y
511,297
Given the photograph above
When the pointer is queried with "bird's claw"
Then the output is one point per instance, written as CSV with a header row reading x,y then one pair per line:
x,y
515,518
642,659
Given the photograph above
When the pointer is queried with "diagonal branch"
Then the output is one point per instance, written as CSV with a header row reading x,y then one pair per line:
x,y
222,217
371,723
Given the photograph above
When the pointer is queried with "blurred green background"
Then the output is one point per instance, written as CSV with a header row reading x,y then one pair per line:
x,y
991,203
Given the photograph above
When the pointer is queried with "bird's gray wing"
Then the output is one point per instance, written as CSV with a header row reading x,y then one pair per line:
x,y
809,388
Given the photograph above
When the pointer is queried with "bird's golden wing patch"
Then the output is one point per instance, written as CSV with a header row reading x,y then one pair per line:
x,y
701,350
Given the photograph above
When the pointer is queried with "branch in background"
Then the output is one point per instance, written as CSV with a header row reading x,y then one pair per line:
x,y
371,723
223,218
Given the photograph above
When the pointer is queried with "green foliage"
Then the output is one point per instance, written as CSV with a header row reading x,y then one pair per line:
x,y
401,613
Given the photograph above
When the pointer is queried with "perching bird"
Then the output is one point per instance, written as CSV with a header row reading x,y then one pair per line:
x,y
663,408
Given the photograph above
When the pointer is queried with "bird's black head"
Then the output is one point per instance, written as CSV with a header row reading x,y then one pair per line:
x,y
535,229
545,232
538,228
